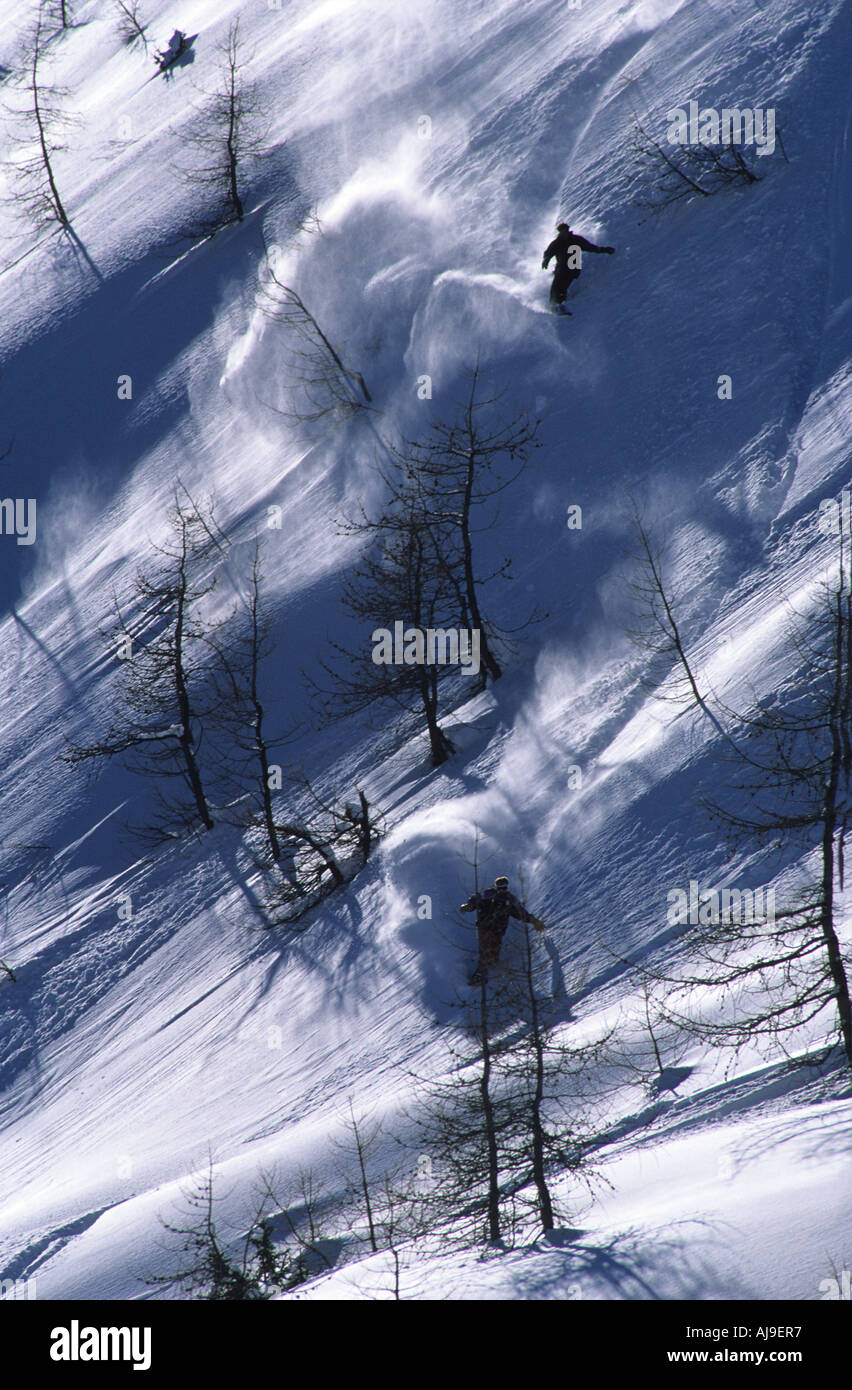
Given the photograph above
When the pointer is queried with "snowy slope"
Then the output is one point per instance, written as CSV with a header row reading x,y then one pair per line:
x,y
132,1048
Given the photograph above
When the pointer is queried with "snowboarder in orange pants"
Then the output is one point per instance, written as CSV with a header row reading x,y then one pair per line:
x,y
493,909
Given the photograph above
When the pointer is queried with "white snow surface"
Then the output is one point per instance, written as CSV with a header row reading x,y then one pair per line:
x,y
133,1049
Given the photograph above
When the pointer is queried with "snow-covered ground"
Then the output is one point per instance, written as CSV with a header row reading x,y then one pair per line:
x,y
439,143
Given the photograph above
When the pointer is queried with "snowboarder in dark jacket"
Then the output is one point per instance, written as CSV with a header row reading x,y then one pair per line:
x,y
493,909
567,247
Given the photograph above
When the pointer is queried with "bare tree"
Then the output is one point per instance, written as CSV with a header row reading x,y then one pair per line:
x,y
303,1220
647,1047
399,580
130,23
241,705
456,472
314,842
390,1211
211,1270
226,138
663,1072
791,791
465,1125
552,1085
658,631
245,1265
166,659
363,1135
58,12
490,1115
42,119
682,171
328,387
352,829
324,844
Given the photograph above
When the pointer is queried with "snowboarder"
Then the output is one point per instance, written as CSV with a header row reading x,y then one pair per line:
x,y
566,247
493,909
175,49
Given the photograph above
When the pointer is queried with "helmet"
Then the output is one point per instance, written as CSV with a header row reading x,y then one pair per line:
x,y
562,227
501,882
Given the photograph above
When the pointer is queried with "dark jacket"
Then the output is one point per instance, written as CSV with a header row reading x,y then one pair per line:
x,y
494,907
565,242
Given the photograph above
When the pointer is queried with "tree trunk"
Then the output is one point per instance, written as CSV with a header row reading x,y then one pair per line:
x,y
829,830
236,200
301,832
58,208
260,742
545,1205
365,1186
488,662
186,739
440,745
490,1128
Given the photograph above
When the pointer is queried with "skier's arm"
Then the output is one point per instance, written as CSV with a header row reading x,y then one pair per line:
x,y
550,252
471,905
520,914
590,246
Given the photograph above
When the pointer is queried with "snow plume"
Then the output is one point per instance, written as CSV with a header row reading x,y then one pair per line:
x,y
70,524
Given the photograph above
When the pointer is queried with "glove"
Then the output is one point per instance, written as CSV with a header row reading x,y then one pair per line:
x,y
610,250
465,907
538,924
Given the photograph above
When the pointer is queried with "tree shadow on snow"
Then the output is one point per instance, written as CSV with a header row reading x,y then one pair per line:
x,y
632,1265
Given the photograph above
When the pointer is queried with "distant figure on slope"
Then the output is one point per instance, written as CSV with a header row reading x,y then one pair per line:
x,y
567,247
175,49
493,909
